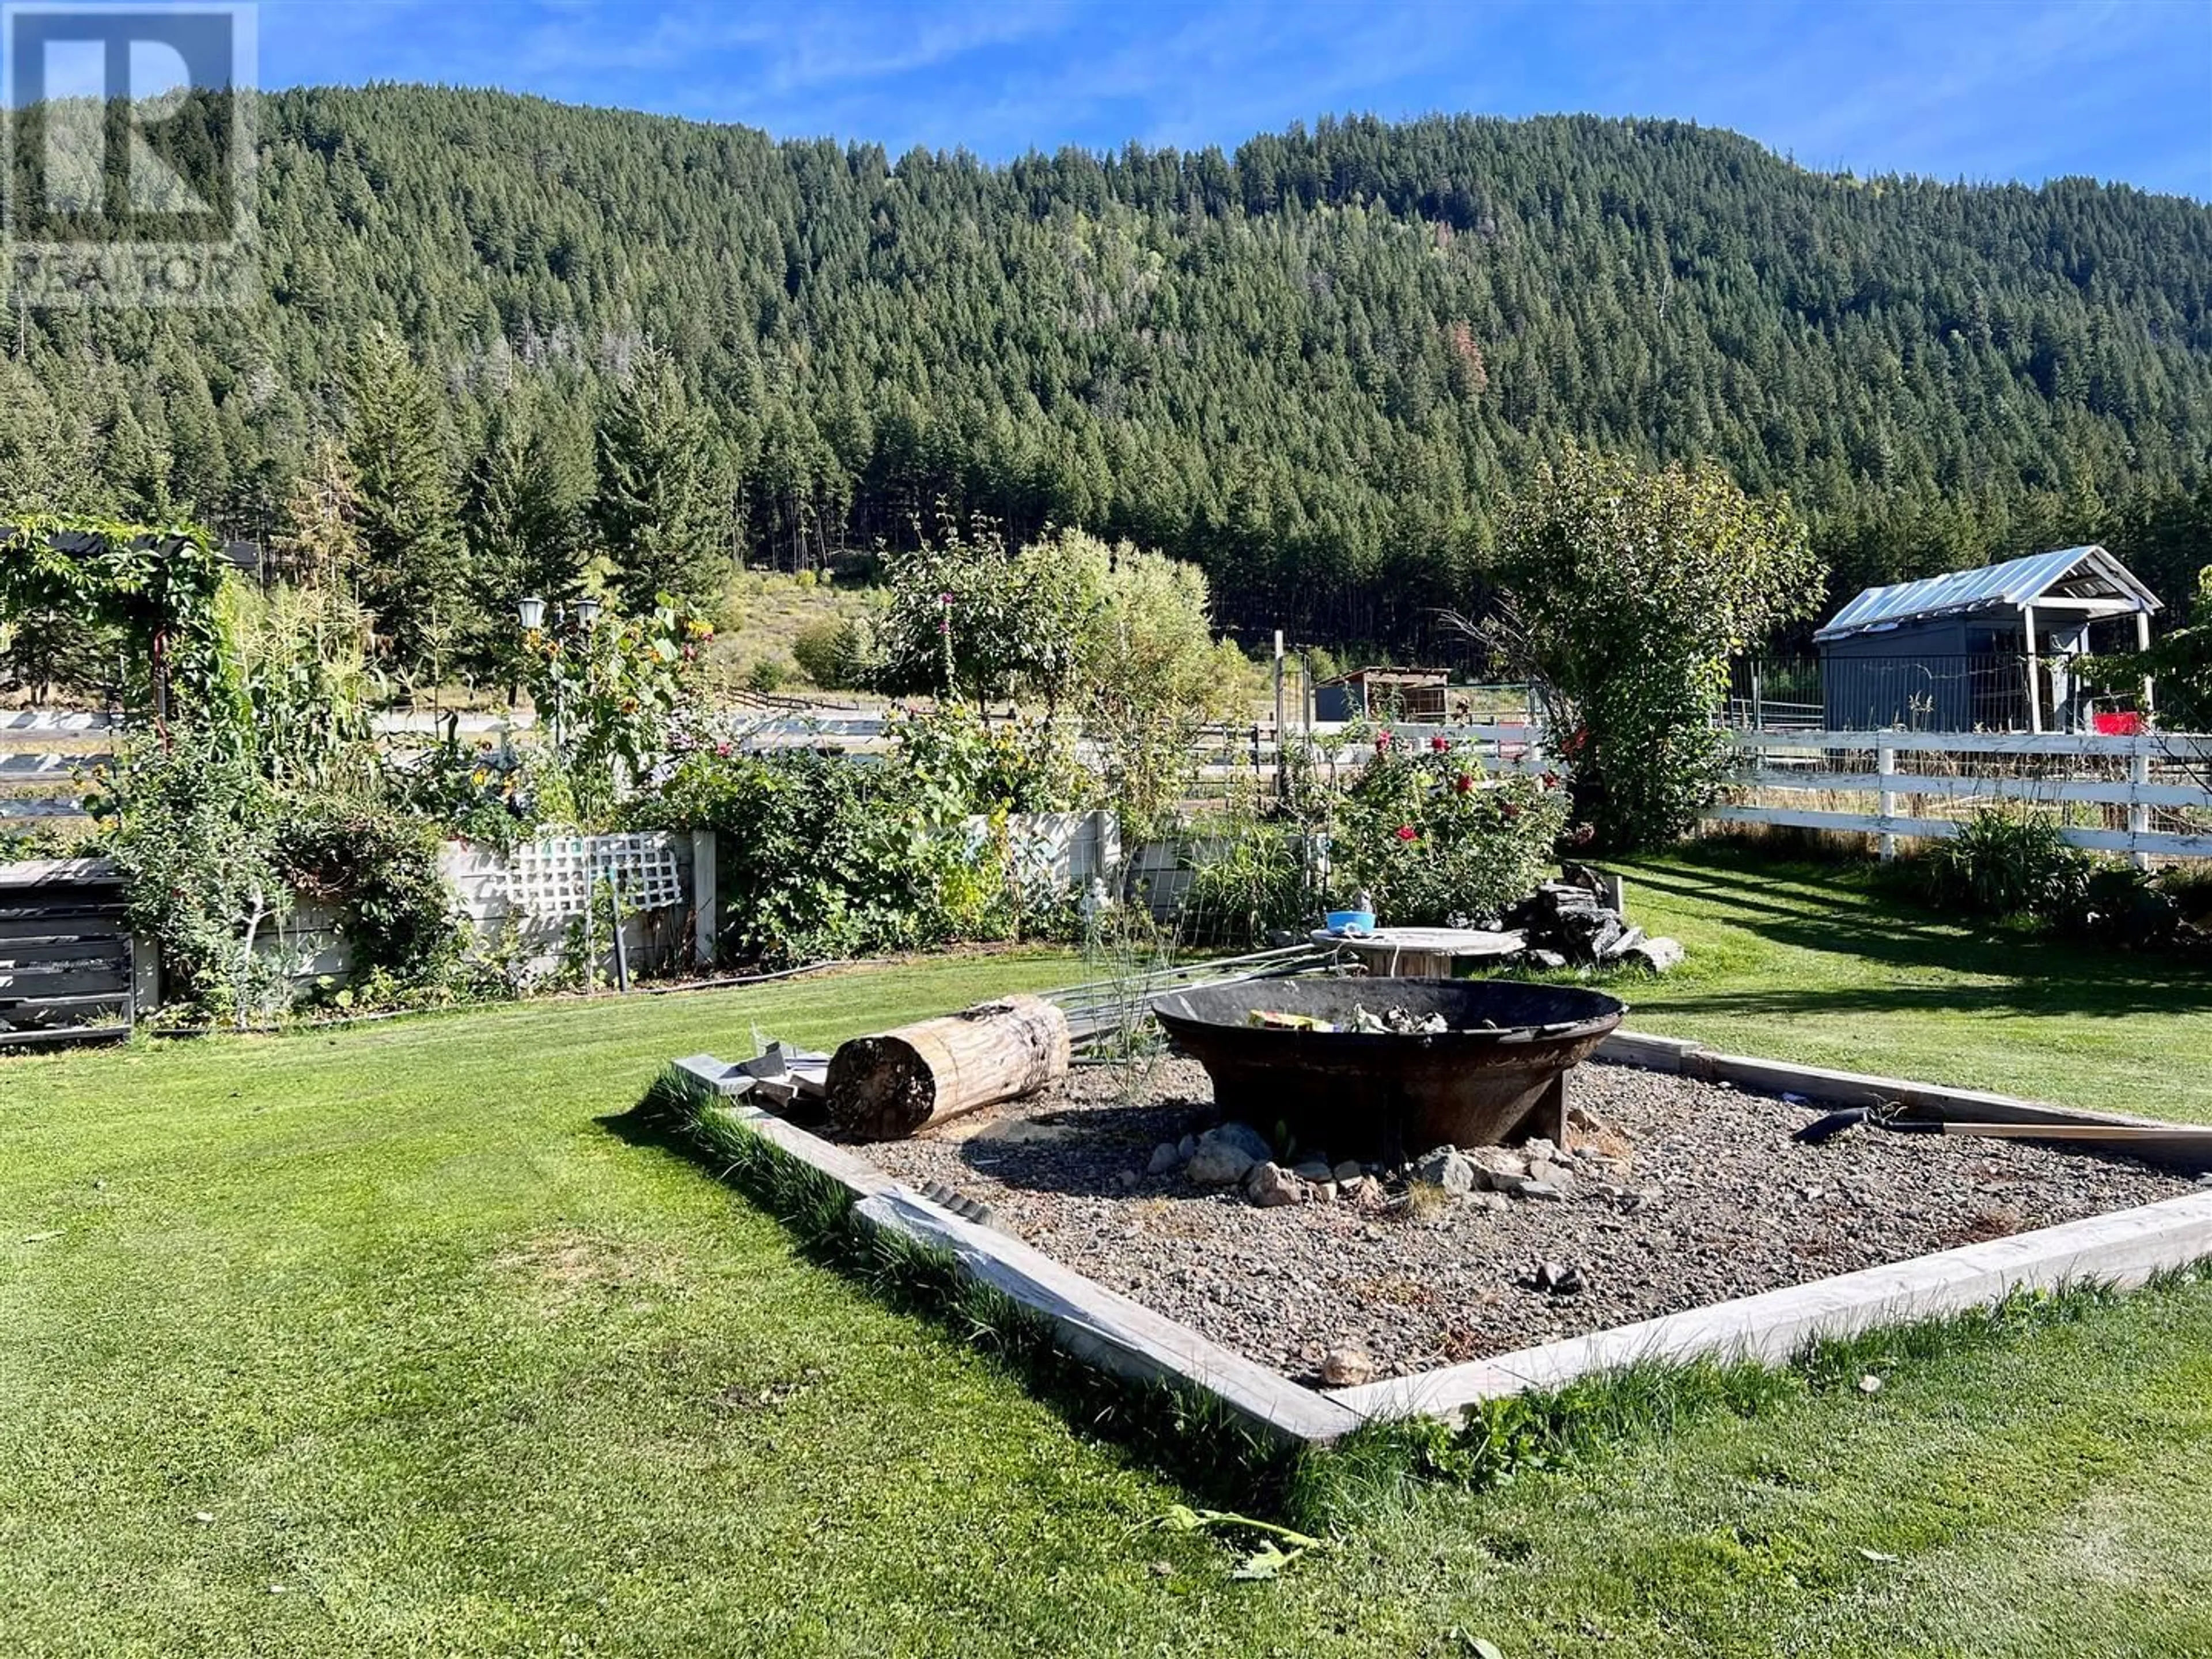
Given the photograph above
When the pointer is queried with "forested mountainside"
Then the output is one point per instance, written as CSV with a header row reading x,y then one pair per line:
x,y
1316,367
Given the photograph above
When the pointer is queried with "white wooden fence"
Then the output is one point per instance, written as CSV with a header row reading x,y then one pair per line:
x,y
46,753
2148,796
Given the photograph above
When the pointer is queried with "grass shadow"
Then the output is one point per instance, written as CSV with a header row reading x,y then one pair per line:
x,y
1856,915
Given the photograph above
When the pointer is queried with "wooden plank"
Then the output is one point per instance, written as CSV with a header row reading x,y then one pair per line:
x,y
16,720
2122,1248
2155,843
52,928
94,952
24,810
64,981
40,763
2168,745
1656,1053
49,1013
63,1036
42,872
1805,817
1109,1330
2049,791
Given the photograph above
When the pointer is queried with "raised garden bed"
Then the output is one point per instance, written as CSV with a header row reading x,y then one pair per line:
x,y
1674,1194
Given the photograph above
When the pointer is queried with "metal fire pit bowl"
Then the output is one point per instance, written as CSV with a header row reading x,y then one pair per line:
x,y
1387,1094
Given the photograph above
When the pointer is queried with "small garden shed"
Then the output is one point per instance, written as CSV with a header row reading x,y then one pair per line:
x,y
1988,649
1399,693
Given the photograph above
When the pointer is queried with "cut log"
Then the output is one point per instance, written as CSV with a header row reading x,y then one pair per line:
x,y
889,1085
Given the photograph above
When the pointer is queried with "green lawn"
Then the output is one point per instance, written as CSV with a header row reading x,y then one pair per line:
x,y
1808,963
457,1365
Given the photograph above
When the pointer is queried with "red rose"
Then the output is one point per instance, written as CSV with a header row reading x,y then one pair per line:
x,y
1407,832
1550,780
1382,742
1509,811
1440,743
1463,783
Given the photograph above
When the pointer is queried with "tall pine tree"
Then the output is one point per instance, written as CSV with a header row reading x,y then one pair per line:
x,y
413,563
526,513
659,512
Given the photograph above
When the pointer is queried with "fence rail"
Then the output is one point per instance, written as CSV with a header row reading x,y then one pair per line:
x,y
2148,796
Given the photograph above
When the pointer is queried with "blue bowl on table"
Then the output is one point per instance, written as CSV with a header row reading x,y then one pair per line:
x,y
1350,922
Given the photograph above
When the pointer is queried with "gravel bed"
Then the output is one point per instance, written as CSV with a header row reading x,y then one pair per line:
x,y
1707,1199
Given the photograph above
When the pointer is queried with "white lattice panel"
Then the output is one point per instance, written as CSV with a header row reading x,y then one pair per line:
x,y
554,877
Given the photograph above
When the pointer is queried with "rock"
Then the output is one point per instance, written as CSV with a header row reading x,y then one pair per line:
x,y
1446,1168
1368,1194
1186,1146
1165,1156
1537,1150
1024,1132
1347,1172
1542,961
1598,944
1321,1191
1489,1201
1313,1169
1219,1163
1621,946
1242,1135
1128,1179
1493,1163
1585,877
1271,1186
1548,1173
1559,1279
1657,954
1541,1189
1346,1368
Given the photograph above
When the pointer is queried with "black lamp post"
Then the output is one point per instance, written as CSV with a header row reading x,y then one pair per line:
x,y
530,611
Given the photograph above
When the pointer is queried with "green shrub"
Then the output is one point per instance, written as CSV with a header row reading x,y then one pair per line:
x,y
834,653
1625,591
2011,863
817,857
768,674
955,764
379,870
822,856
1427,836
1252,879
195,832
2006,862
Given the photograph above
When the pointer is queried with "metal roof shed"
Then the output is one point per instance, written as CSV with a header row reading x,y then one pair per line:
x,y
1981,648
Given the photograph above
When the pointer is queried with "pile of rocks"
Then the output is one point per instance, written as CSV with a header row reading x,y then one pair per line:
x,y
1494,1176
1237,1155
1576,922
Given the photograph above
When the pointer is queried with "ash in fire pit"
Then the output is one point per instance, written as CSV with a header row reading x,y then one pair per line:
x,y
1392,1068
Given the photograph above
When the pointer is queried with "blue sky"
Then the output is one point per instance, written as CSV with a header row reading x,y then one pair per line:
x,y
2025,89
